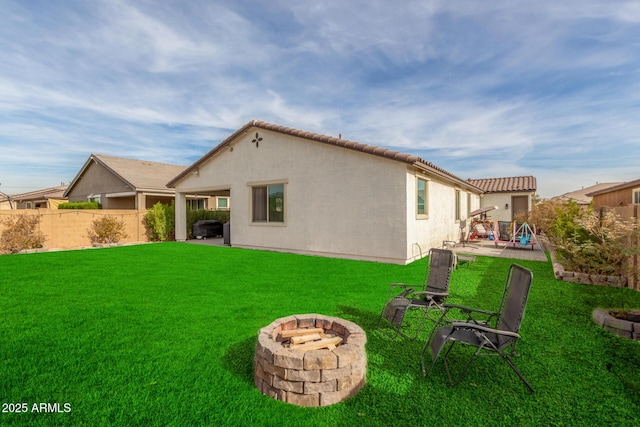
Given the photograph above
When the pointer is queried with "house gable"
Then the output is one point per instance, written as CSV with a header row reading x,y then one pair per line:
x,y
256,125
127,183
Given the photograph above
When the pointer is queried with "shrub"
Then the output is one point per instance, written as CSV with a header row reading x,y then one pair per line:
x,y
600,244
586,241
21,232
107,229
160,222
80,205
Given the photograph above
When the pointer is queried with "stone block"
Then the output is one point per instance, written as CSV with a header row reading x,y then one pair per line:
x,y
323,321
303,399
270,368
294,386
332,374
339,329
302,375
289,322
350,327
599,315
267,349
623,325
359,367
621,332
598,279
280,395
331,397
583,278
350,383
289,359
320,359
315,388
346,353
616,282
306,320
265,376
359,339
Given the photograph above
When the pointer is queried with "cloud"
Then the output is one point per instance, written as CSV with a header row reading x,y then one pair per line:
x,y
499,88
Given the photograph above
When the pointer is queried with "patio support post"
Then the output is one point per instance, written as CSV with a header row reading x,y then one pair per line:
x,y
181,216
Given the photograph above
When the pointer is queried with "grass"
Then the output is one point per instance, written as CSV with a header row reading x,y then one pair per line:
x,y
164,334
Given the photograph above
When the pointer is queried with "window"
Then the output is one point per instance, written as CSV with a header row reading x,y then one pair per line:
x,y
268,203
636,196
222,203
457,205
422,207
196,205
468,204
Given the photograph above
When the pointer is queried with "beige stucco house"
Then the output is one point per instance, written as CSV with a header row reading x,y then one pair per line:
x,y
121,183
510,194
301,192
47,198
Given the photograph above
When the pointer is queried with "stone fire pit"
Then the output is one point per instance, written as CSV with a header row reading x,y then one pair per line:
x,y
290,367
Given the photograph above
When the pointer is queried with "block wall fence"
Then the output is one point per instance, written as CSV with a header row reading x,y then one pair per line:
x,y
67,229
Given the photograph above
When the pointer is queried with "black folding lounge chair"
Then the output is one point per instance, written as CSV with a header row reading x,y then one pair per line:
x,y
403,297
499,340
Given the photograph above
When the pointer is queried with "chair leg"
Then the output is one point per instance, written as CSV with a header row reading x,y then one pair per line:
x,y
391,325
466,368
508,360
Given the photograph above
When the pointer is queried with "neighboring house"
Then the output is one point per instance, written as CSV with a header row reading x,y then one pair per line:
x,y
120,183
510,194
624,194
5,202
582,197
48,198
300,192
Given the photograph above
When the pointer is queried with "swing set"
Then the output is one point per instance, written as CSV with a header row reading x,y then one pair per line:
x,y
519,235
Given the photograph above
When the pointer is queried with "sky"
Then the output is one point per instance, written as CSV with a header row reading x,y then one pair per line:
x,y
483,89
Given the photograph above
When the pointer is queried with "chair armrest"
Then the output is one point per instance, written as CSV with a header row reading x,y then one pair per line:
x,y
470,309
402,285
430,293
475,326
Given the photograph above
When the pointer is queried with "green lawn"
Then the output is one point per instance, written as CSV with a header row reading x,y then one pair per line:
x,y
164,334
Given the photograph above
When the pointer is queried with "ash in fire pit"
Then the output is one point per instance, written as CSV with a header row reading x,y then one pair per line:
x,y
310,360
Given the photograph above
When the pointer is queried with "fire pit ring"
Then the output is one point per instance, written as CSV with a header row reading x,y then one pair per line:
x,y
303,374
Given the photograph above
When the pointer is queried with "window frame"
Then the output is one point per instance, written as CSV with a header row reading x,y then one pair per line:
x,y
424,214
190,203
635,196
218,199
458,205
271,205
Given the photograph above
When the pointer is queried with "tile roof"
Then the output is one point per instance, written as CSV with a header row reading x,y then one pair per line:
x,y
507,184
137,174
330,140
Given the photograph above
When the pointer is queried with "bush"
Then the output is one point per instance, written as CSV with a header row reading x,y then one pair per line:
x,y
585,241
21,232
80,205
160,222
107,229
600,244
